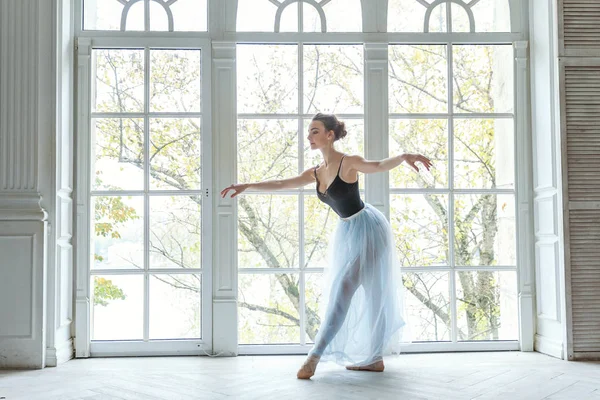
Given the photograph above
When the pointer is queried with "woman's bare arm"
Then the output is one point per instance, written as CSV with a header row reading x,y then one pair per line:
x,y
359,164
303,179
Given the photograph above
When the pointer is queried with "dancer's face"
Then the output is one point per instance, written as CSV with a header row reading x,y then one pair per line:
x,y
318,136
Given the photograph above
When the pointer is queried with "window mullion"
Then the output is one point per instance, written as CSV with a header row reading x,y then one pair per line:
x,y
301,238
146,195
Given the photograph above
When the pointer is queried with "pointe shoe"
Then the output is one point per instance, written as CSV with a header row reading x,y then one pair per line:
x,y
308,368
377,366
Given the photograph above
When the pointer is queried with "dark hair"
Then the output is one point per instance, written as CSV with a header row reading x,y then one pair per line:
x,y
332,124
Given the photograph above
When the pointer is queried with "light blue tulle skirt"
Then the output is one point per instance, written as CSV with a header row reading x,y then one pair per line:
x,y
363,288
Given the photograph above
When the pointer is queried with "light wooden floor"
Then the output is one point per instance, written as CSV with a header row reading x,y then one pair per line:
x,y
509,375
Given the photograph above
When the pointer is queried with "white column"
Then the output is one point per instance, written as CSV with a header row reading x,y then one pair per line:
x,y
549,268
376,122
524,214
225,330
25,178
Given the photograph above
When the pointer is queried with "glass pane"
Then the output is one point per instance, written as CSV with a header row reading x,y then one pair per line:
x,y
118,232
353,143
427,304
268,231
117,154
492,15
425,136
486,304
484,230
314,292
483,78
418,79
484,154
333,79
190,15
135,17
341,15
117,307
159,20
289,18
312,21
420,225
175,306
437,19
119,83
267,308
267,78
319,223
175,80
406,16
175,232
175,151
256,16
102,15
267,149
460,19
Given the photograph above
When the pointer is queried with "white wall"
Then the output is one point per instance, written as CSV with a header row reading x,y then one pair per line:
x,y
28,120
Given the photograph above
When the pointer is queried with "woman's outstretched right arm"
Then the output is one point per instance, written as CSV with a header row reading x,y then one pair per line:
x,y
303,179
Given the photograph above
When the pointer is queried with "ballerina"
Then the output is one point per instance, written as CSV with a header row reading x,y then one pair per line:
x,y
358,324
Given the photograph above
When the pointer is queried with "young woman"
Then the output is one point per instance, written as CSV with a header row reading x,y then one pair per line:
x,y
357,324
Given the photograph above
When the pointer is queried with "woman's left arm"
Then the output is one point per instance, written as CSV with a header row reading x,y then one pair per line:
x,y
359,164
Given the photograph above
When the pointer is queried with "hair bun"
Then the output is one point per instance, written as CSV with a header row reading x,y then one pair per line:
x,y
341,130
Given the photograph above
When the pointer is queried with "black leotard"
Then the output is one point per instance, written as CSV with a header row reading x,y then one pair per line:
x,y
342,197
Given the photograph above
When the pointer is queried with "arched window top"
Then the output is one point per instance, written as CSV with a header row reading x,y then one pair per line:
x,y
449,16
130,15
299,16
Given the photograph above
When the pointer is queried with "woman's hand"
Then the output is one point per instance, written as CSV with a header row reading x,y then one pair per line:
x,y
411,159
237,189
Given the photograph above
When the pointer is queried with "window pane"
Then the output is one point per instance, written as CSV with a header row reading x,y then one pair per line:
x,y
175,162
484,154
319,223
353,143
175,232
312,19
333,79
174,80
159,20
289,19
118,232
406,16
102,14
175,306
437,19
268,231
118,307
487,305
119,83
267,306
420,225
267,149
340,16
484,230
427,303
190,15
425,136
418,79
267,79
460,19
256,16
314,294
492,16
483,78
117,154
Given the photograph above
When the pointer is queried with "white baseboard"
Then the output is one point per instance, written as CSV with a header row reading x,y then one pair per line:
x,y
549,347
60,354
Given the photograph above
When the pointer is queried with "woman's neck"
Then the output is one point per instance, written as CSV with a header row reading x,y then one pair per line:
x,y
329,154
